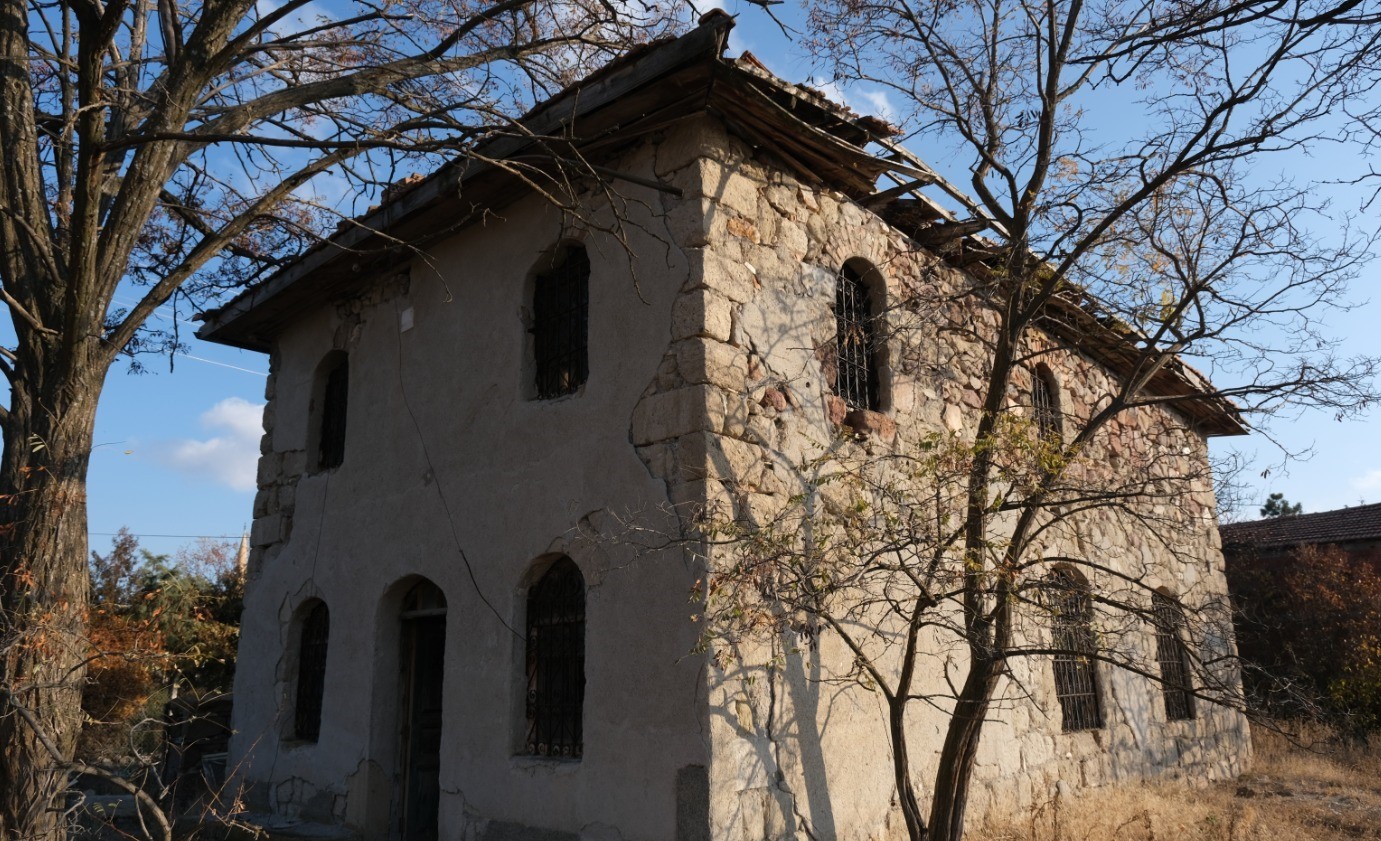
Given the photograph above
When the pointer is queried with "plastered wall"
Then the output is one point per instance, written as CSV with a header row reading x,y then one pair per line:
x,y
455,473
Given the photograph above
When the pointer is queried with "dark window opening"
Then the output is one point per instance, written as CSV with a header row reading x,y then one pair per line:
x,y
1045,406
556,662
856,374
334,400
560,325
311,673
1173,657
1076,672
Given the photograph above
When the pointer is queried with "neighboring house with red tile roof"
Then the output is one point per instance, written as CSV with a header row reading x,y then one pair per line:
x,y
1355,530
1304,599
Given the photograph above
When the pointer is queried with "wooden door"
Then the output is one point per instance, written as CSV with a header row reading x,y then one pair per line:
x,y
424,641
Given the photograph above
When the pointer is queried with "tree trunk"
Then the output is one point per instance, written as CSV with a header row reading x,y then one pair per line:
x,y
901,768
43,591
960,750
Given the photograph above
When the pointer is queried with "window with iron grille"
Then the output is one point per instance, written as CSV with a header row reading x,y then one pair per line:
x,y
1045,406
311,672
1173,657
560,324
1076,671
556,662
856,374
334,402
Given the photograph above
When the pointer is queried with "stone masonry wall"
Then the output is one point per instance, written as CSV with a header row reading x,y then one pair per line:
x,y
796,752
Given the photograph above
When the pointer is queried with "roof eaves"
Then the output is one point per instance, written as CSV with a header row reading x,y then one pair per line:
x,y
638,68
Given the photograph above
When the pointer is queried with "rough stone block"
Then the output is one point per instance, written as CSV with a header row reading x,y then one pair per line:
x,y
266,530
702,496
792,239
270,468
264,501
731,278
836,409
729,412
954,418
774,399
688,223
658,458
706,455
671,414
743,228
730,187
876,424
294,463
702,313
707,361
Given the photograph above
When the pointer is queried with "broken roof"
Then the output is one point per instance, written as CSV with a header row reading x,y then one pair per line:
x,y
1344,525
820,142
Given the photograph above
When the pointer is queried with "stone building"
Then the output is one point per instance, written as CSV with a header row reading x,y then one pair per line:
x,y
440,639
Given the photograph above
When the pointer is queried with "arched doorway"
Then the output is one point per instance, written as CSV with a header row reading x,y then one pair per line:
x,y
423,658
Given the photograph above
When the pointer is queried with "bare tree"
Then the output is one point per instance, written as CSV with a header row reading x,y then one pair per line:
x,y
1143,244
158,152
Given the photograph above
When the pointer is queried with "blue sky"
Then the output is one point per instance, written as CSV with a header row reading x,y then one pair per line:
x,y
176,451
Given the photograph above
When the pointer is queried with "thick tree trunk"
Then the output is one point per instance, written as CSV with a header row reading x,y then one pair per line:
x,y
43,594
960,750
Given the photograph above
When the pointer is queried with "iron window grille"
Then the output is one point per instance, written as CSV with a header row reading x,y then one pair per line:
x,y
334,401
1045,407
560,325
556,662
856,369
1173,657
311,673
1076,672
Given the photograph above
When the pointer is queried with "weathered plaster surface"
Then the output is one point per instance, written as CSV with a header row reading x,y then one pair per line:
x,y
452,472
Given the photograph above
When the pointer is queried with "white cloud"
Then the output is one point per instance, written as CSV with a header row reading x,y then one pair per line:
x,y
831,90
230,457
1368,484
878,104
872,103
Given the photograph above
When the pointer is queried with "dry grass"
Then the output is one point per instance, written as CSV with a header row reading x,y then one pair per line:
x,y
1310,787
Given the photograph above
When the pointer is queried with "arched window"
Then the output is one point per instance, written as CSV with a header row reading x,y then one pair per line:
x,y
1045,404
1076,671
332,396
560,323
1173,657
424,600
857,380
311,672
556,662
